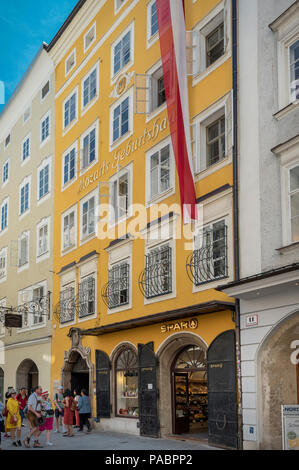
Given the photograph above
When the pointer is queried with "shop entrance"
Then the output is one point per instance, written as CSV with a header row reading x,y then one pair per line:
x,y
190,392
80,376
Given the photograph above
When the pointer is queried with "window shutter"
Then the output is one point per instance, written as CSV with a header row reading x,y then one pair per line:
x,y
229,124
142,93
192,52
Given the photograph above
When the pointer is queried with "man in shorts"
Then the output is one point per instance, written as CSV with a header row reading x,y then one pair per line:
x,y
59,408
34,411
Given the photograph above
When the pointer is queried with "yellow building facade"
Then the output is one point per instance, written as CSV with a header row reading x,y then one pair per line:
x,y
137,319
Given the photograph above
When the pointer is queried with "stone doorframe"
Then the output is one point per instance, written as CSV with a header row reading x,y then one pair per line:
x,y
70,358
166,354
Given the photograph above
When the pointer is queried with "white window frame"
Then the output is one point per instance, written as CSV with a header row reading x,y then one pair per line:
x,y
150,39
90,103
94,126
47,161
24,161
88,269
90,236
221,13
171,190
286,201
121,139
224,106
25,266
46,254
119,254
74,146
127,169
73,53
75,120
118,8
5,201
29,107
4,254
41,90
124,69
46,139
7,162
92,28
70,248
23,184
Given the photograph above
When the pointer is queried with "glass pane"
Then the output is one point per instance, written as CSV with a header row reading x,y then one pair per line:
x,y
295,229
294,178
295,205
192,357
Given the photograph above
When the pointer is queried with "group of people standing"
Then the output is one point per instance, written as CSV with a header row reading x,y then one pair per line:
x,y
69,409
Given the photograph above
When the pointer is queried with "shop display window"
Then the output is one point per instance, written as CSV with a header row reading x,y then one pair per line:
x,y
127,384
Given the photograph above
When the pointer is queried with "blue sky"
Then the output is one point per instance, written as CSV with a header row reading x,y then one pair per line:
x,y
24,25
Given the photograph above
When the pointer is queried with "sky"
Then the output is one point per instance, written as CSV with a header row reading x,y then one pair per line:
x,y
24,26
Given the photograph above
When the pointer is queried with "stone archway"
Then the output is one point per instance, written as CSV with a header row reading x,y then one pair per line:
x,y
166,354
277,378
1,384
27,375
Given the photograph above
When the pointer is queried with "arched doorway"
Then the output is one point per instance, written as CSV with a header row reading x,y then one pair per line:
x,y
27,375
189,391
76,373
1,385
278,380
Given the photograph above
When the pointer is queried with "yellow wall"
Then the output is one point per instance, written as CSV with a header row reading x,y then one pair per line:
x,y
206,92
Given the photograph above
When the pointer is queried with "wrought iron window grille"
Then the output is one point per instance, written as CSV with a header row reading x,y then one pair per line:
x,y
209,262
156,279
87,297
39,307
116,292
65,310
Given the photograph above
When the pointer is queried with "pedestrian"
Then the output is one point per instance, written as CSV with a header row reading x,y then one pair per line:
x,y
59,408
76,399
13,420
22,398
68,413
34,416
1,420
84,410
7,396
49,415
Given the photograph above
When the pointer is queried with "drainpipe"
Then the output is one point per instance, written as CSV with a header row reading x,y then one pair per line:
x,y
236,212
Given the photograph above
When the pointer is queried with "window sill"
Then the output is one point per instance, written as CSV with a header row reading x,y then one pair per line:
x,y
67,250
121,72
114,145
198,77
156,112
288,248
69,127
89,105
211,169
160,197
152,40
87,238
88,167
282,113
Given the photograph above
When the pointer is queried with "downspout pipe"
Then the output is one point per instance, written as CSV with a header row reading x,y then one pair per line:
x,y
236,212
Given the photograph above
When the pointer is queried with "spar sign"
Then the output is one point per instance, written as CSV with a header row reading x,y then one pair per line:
x,y
290,427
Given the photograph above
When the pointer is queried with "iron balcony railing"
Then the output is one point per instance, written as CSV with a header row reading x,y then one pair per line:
x,y
116,292
156,279
209,261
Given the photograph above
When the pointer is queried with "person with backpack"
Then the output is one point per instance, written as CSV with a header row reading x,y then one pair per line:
x,y
69,409
59,408
49,415
84,410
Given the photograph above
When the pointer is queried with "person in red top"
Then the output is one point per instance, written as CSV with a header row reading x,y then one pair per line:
x,y
22,398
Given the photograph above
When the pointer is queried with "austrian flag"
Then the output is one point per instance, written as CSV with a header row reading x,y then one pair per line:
x,y
172,33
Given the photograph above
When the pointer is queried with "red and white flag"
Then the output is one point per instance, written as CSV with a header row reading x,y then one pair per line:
x,y
172,33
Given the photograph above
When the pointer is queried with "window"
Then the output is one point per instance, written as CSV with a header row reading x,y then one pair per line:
x,y
209,259
89,37
43,238
87,297
69,229
70,62
294,202
70,110
215,44
26,148
45,90
2,327
120,195
121,119
122,51
158,271
118,285
45,127
39,313
4,215
3,263
153,18
27,114
44,181
126,380
23,250
216,141
5,172
7,140
149,90
118,4
160,172
88,217
67,304
24,197
294,71
90,87
89,145
69,166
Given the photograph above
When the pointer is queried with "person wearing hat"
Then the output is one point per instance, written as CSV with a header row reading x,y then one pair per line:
x,y
59,408
13,420
49,415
